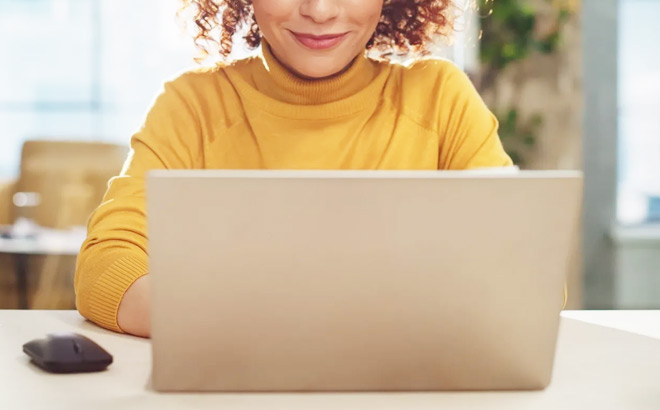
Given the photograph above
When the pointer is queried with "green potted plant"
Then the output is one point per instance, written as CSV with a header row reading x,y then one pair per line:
x,y
512,31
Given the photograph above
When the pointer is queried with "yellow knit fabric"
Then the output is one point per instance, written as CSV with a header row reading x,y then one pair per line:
x,y
254,114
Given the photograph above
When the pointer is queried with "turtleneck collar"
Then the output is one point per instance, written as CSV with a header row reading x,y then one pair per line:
x,y
278,82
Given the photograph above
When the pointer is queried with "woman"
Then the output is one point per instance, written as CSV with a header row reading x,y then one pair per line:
x,y
310,100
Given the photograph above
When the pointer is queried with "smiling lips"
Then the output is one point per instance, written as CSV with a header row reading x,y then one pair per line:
x,y
323,42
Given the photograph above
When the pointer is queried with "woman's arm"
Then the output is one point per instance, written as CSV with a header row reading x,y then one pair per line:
x,y
134,315
111,281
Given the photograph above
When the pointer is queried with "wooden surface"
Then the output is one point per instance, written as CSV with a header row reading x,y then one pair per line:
x,y
59,293
51,265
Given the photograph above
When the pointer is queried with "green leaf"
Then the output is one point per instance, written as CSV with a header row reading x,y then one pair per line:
x,y
529,140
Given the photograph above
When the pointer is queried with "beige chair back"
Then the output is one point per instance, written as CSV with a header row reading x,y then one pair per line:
x,y
7,189
70,176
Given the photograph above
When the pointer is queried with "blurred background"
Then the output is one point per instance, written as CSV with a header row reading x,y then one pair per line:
x,y
574,83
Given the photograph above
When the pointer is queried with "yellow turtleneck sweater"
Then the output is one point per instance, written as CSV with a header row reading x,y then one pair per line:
x,y
255,114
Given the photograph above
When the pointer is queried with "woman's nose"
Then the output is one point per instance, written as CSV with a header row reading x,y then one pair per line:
x,y
320,11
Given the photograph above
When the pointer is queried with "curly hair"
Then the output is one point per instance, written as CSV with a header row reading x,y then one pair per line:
x,y
406,27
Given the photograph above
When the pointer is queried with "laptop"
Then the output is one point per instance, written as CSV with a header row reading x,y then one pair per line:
x,y
308,281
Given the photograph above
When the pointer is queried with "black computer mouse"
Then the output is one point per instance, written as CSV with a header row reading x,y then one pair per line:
x,y
67,353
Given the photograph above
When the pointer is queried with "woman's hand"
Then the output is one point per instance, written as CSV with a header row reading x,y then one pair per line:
x,y
134,316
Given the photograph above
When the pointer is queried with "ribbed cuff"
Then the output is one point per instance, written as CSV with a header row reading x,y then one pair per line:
x,y
109,289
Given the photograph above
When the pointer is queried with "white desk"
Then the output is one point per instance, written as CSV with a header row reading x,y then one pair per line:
x,y
46,242
597,367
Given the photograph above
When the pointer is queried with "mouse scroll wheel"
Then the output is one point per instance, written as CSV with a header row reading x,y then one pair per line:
x,y
76,347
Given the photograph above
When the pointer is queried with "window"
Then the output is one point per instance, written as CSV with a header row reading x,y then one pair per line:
x,y
83,69
639,112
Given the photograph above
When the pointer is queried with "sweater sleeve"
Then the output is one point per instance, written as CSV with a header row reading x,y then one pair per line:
x,y
468,129
114,254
